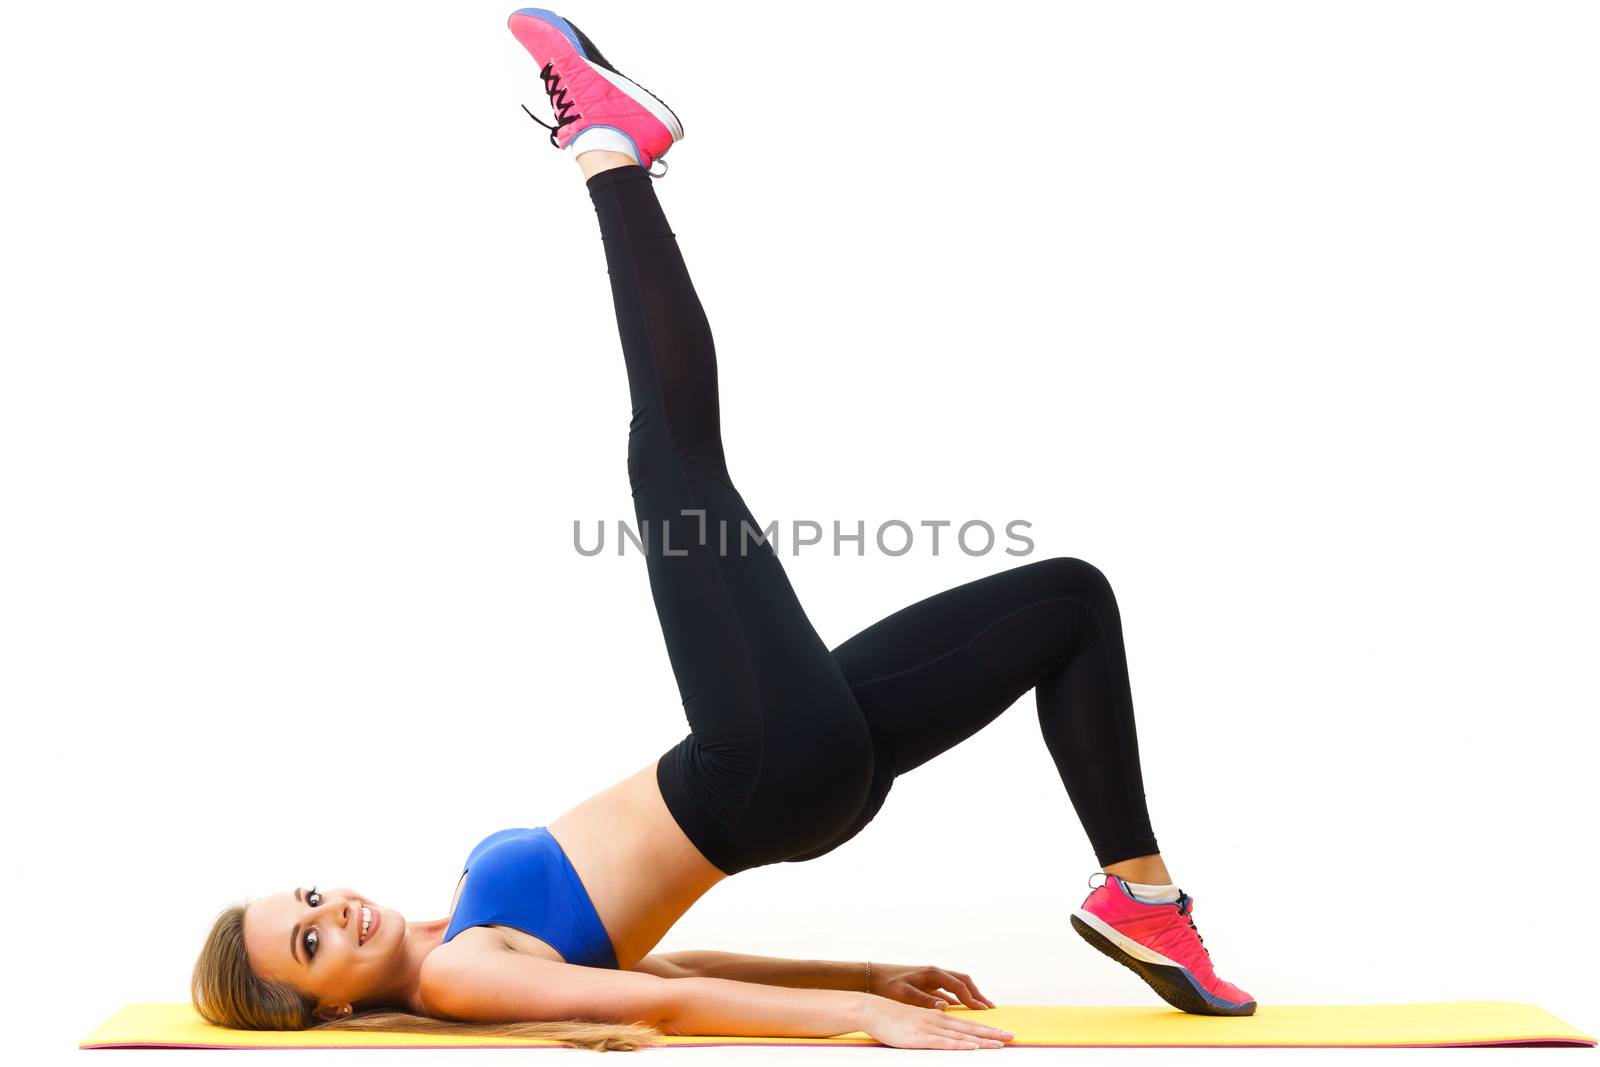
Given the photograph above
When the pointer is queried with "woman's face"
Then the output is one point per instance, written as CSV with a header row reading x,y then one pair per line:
x,y
331,944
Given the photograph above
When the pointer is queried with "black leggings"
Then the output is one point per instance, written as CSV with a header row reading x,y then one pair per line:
x,y
792,748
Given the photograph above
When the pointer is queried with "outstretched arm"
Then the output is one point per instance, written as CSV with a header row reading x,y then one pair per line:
x,y
766,970
924,986
501,986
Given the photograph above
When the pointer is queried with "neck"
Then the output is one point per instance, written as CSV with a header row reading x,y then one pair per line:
x,y
403,993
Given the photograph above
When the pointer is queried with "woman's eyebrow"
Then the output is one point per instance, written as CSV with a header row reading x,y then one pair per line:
x,y
294,935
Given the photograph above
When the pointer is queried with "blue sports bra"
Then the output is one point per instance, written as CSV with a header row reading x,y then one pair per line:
x,y
523,879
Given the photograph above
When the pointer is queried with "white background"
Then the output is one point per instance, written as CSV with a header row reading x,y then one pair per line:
x,y
1281,314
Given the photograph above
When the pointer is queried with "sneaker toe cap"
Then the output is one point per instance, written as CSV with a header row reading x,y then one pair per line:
x,y
1232,993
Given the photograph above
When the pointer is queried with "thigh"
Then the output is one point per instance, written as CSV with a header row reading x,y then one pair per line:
x,y
778,756
933,674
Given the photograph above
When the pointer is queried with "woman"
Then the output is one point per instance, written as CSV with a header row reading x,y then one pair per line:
x,y
791,750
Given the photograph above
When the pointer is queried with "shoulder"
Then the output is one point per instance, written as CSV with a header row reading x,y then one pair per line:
x,y
447,972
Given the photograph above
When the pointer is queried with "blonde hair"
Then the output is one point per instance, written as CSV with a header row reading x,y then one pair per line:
x,y
227,992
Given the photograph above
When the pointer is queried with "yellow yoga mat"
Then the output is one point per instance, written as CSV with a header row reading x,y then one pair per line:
x,y
1456,1022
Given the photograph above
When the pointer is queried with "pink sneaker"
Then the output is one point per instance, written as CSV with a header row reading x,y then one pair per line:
x,y
1160,944
588,94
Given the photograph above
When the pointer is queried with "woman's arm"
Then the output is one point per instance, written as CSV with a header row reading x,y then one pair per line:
x,y
928,987
766,970
503,986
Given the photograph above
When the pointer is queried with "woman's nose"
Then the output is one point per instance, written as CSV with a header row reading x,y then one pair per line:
x,y
337,908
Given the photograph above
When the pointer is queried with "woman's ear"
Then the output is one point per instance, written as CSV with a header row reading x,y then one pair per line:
x,y
329,1012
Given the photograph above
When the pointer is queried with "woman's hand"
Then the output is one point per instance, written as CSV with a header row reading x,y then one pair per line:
x,y
903,1026
926,987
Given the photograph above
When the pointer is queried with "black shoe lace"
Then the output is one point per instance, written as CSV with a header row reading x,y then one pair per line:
x,y
558,103
1183,909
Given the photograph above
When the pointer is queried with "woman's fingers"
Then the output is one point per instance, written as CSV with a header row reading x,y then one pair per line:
x,y
965,999
955,1032
960,987
967,978
956,1022
972,1040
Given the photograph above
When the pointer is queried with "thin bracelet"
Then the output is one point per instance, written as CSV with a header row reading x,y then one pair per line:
x,y
869,976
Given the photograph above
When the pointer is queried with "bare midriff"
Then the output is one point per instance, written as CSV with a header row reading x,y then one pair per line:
x,y
642,872
640,869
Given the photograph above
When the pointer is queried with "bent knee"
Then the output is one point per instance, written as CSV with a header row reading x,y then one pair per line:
x,y
1079,580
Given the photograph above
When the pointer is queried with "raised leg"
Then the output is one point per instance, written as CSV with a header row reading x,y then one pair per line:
x,y
778,755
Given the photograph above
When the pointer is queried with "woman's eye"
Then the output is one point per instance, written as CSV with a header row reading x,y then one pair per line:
x,y
310,940
314,898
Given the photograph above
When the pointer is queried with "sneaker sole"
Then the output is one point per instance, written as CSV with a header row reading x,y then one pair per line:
x,y
591,55
1172,982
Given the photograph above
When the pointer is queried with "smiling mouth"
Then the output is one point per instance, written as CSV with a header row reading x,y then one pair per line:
x,y
368,921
